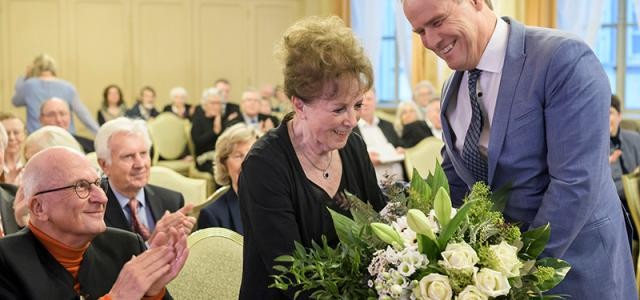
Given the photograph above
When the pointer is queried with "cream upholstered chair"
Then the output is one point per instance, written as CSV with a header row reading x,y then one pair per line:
x,y
631,185
193,190
214,267
219,192
169,141
387,116
423,156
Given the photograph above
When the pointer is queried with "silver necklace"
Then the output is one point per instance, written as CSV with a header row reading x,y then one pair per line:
x,y
325,173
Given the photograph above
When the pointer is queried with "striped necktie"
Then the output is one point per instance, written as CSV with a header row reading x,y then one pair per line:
x,y
136,225
473,160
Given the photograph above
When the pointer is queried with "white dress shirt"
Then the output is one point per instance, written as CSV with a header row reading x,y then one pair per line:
x,y
459,109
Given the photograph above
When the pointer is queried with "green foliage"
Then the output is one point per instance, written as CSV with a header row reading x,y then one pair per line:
x,y
487,257
420,193
550,272
329,273
442,206
459,279
534,241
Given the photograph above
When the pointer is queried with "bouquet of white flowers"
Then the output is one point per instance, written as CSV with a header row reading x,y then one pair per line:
x,y
419,247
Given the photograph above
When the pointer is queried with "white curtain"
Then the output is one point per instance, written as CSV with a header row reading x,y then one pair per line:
x,y
583,18
637,8
366,22
404,38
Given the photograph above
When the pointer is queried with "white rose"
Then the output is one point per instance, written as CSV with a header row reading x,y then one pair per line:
x,y
471,292
508,262
433,286
459,256
492,283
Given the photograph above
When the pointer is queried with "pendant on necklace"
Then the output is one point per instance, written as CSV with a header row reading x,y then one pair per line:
x,y
325,175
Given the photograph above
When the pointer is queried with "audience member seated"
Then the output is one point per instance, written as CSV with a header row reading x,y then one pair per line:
x,y
55,112
383,144
410,125
265,109
267,92
207,125
179,105
231,148
250,113
43,138
624,156
67,252
230,110
432,117
13,152
122,147
145,106
8,223
282,103
113,105
423,93
40,84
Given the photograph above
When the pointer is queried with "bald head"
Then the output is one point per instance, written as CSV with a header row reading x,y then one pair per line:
x,y
51,167
55,112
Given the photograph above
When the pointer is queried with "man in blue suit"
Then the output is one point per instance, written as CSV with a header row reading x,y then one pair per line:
x,y
515,111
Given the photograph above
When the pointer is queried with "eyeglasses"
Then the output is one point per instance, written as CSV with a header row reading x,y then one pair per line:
x,y
82,188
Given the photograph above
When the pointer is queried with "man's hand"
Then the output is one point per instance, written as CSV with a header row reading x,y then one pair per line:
x,y
177,241
141,272
178,220
375,158
615,155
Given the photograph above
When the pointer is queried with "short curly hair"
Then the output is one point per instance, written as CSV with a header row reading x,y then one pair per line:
x,y
318,54
232,136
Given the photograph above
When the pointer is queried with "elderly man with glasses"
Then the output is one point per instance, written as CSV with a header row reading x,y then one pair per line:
x,y
67,251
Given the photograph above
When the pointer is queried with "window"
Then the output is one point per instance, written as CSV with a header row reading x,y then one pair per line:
x,y
392,80
621,64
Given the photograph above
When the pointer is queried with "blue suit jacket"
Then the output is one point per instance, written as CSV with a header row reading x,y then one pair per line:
x,y
224,212
552,89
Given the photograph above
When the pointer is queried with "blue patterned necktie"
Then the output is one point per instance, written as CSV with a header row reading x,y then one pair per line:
x,y
471,156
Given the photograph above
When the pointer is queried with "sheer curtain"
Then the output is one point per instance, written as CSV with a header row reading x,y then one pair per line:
x,y
583,19
636,4
366,22
404,36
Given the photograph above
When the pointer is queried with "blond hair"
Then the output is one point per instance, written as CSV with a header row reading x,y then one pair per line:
x,y
42,63
232,136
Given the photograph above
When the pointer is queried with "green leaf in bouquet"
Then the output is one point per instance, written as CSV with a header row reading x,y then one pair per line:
x,y
420,193
362,212
419,223
534,242
499,197
346,228
438,179
284,258
442,206
446,232
551,271
428,247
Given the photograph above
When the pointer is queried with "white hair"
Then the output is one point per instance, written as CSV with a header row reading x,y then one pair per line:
x,y
49,136
397,124
121,124
178,91
4,138
208,92
424,84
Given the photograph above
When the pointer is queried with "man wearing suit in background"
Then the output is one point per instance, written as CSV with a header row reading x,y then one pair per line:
x,y
521,119
122,147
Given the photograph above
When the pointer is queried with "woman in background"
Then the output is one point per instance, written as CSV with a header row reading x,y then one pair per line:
x,y
179,105
410,124
113,105
206,127
145,106
13,160
231,148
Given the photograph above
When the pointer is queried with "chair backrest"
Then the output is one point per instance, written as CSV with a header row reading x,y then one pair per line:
x,y
193,190
631,185
168,135
214,267
219,192
387,116
423,156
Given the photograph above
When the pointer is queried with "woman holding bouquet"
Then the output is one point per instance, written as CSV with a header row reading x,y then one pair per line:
x,y
293,173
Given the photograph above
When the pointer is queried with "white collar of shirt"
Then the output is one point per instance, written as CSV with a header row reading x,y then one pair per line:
x,y
492,58
362,122
124,200
491,63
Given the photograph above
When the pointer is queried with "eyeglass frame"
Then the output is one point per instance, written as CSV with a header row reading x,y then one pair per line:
x,y
75,187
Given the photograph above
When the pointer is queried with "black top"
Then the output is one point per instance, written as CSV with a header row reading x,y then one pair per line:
x,y
224,212
204,139
7,196
135,112
279,205
85,143
415,132
185,114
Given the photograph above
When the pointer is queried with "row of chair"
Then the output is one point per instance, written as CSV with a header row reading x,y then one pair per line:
x,y
631,186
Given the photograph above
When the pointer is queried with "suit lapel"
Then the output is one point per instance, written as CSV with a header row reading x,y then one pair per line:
x,y
511,72
114,216
450,92
157,209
